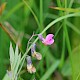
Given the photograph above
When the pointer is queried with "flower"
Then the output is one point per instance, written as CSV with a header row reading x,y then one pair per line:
x,y
30,67
40,37
38,56
33,48
48,40
35,54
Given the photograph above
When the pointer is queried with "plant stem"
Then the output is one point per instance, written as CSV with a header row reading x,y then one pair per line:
x,y
48,26
41,15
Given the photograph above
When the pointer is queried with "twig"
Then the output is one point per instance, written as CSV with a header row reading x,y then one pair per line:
x,y
31,39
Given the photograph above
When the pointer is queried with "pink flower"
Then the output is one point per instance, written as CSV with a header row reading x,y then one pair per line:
x,y
48,40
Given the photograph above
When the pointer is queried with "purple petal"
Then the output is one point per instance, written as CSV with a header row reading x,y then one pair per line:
x,y
50,42
49,37
33,48
40,37
29,62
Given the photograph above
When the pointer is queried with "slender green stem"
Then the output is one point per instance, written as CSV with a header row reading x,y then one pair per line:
x,y
59,3
21,66
67,38
71,2
41,28
73,27
69,47
65,3
41,15
63,50
57,31
47,27
59,19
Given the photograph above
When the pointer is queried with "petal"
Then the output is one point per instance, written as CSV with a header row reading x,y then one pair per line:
x,y
29,61
33,69
49,42
38,56
40,37
33,48
49,36
44,42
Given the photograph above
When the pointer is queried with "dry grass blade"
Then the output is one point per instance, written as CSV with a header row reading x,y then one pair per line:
x,y
16,38
65,9
2,7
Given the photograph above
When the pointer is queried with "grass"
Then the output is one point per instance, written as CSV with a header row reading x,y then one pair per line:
x,y
28,16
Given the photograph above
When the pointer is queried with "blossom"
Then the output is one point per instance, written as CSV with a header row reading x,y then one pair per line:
x,y
33,48
30,67
35,54
48,40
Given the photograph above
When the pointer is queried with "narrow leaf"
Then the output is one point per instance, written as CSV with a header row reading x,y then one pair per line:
x,y
76,64
66,9
2,7
50,70
11,55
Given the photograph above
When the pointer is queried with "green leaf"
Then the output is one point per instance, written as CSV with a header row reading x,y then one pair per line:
x,y
76,63
11,53
50,70
15,57
16,53
6,77
73,27
66,70
15,60
66,9
18,63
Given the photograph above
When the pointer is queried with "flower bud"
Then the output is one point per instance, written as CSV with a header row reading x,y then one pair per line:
x,y
33,48
40,37
29,62
30,67
35,54
33,69
38,56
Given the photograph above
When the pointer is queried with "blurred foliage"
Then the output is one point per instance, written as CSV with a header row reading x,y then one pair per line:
x,y
17,24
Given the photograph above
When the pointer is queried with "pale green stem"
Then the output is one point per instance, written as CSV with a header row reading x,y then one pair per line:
x,y
48,26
